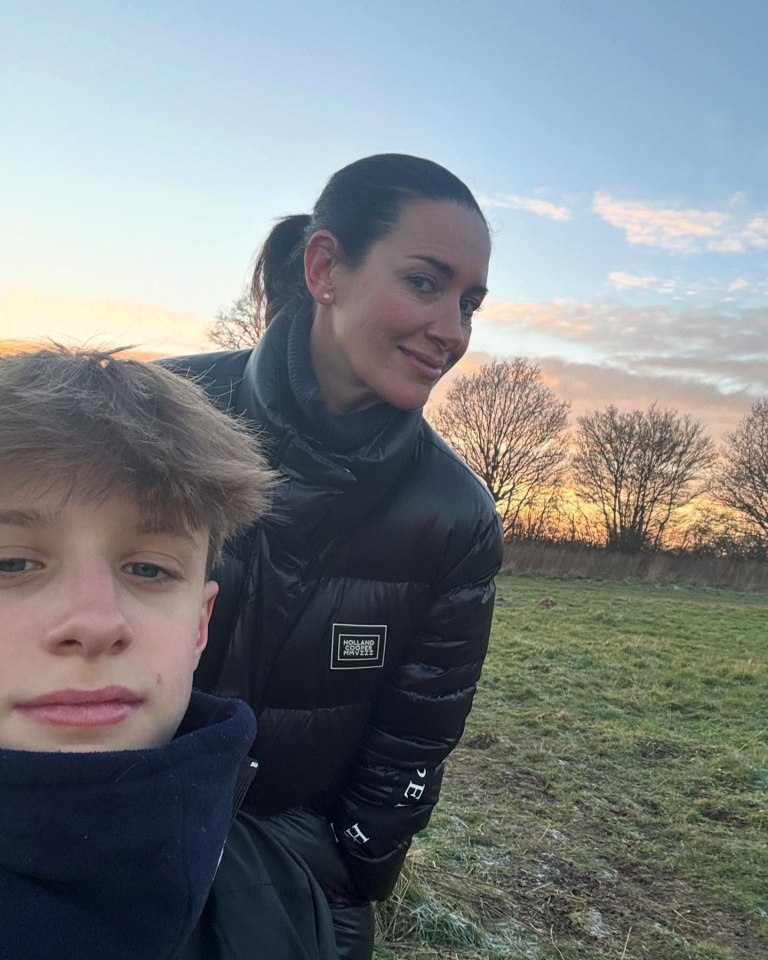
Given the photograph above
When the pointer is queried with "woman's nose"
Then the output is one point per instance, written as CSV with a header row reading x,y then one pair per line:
x,y
448,327
90,620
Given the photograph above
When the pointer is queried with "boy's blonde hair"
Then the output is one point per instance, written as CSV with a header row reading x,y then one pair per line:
x,y
101,425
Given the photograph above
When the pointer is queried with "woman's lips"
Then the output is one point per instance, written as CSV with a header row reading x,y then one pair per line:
x,y
82,708
427,366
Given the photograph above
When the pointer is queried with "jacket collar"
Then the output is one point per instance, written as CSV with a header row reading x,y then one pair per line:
x,y
116,851
347,483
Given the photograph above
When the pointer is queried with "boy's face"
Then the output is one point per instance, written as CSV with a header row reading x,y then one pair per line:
x,y
101,624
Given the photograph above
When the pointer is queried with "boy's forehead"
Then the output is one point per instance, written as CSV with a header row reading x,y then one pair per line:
x,y
46,506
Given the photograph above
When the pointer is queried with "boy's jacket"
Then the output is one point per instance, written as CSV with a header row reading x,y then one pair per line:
x,y
264,904
112,854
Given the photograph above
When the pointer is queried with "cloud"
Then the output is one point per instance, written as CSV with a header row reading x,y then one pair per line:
x,y
685,230
555,317
29,314
620,279
631,281
593,386
756,231
722,349
702,290
512,201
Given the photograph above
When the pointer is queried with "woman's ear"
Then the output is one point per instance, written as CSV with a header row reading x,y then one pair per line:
x,y
321,255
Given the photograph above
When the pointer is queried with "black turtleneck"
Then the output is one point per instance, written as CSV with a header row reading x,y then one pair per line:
x,y
338,434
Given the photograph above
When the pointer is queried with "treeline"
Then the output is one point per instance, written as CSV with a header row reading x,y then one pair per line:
x,y
632,482
625,483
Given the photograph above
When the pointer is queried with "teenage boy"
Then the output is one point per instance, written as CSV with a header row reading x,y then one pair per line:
x,y
118,484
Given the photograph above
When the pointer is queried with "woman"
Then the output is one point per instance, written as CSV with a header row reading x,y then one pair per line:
x,y
355,618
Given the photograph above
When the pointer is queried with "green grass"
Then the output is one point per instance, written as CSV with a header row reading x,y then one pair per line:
x,y
610,796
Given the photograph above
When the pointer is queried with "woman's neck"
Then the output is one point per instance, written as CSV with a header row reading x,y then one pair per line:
x,y
340,390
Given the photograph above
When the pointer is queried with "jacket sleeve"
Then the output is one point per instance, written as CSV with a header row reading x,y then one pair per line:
x,y
418,719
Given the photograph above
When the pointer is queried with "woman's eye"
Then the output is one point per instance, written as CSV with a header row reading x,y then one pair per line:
x,y
15,565
422,283
468,309
148,571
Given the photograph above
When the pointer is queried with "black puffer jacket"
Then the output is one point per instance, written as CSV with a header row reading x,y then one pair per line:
x,y
355,618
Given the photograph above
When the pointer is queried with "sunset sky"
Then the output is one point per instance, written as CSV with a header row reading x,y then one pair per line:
x,y
620,150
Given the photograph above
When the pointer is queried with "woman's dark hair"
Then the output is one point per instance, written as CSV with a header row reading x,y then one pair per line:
x,y
359,205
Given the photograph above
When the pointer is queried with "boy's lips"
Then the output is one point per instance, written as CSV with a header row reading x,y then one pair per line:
x,y
82,708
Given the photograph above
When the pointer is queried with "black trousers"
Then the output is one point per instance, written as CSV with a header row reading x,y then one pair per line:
x,y
353,926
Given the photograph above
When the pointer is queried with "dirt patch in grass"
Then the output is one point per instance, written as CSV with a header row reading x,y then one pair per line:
x,y
526,878
481,741
653,749
575,904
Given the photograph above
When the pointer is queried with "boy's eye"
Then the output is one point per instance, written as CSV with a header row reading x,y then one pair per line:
x,y
148,571
11,565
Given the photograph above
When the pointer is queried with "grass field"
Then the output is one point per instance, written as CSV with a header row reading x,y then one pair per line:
x,y
610,796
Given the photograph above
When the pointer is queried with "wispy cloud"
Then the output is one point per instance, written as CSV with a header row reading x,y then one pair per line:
x,y
699,291
723,348
631,281
685,230
512,201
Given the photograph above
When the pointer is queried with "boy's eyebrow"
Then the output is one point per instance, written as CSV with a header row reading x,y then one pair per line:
x,y
447,271
27,518
46,518
150,526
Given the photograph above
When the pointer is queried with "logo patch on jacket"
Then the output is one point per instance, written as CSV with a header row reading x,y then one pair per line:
x,y
358,646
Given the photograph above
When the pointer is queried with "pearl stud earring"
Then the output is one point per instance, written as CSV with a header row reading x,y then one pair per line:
x,y
326,296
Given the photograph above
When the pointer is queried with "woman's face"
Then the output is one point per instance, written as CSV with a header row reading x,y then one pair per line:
x,y
398,321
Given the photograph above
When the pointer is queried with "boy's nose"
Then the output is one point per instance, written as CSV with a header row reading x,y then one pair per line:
x,y
91,621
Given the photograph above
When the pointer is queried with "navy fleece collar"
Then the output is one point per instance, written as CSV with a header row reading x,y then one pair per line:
x,y
112,854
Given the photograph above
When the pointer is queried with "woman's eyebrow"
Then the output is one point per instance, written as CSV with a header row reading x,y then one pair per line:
x,y
447,271
440,265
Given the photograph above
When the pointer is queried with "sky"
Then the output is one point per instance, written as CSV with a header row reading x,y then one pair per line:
x,y
619,150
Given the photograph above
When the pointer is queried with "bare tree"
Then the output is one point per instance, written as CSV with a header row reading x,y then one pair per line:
x,y
510,428
742,475
238,327
638,468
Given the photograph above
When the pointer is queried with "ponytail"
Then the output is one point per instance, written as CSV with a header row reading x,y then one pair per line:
x,y
278,275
